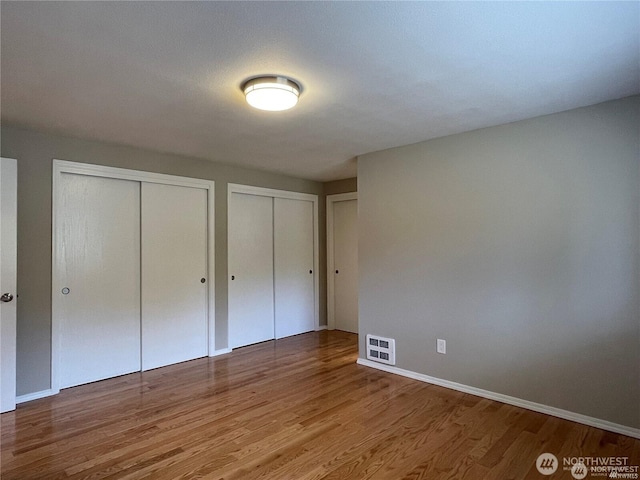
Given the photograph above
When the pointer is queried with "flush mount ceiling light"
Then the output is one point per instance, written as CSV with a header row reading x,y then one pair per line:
x,y
271,93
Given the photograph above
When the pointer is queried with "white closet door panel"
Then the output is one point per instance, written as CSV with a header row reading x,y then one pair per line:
x,y
174,260
345,228
293,258
8,264
99,262
250,269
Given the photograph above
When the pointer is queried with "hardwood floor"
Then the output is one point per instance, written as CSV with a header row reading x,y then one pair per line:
x,y
297,408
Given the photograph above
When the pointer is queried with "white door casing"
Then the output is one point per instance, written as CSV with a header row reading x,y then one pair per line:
x,y
174,263
250,251
98,265
8,265
342,262
293,259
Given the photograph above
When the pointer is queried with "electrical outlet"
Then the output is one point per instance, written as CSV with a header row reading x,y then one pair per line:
x,y
441,346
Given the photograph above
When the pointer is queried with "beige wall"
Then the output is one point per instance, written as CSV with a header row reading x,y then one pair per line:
x,y
341,186
520,246
35,152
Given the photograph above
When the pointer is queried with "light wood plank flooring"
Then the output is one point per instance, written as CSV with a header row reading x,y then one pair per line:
x,y
297,408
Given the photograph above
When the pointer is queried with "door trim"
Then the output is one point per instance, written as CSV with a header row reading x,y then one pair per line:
x,y
64,166
331,199
273,193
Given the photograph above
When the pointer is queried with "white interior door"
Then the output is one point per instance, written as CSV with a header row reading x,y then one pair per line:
x,y
250,253
98,265
8,252
345,248
174,271
293,258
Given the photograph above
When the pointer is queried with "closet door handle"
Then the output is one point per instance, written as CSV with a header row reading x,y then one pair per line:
x,y
6,297
233,277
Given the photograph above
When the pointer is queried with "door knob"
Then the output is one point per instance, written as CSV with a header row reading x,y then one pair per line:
x,y
6,297
202,280
337,271
233,277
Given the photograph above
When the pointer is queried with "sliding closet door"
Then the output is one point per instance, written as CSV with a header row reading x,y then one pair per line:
x,y
293,258
174,266
98,265
250,269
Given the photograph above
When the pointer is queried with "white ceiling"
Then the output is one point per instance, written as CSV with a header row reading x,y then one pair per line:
x,y
166,76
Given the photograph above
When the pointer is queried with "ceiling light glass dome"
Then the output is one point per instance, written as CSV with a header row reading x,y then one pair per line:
x,y
271,93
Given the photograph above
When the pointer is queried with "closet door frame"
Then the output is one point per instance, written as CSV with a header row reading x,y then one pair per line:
x,y
331,305
63,166
273,193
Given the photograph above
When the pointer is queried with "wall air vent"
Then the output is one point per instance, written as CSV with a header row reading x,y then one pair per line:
x,y
381,349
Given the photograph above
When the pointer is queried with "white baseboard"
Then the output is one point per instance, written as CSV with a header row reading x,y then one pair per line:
x,y
222,351
36,395
321,327
518,402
